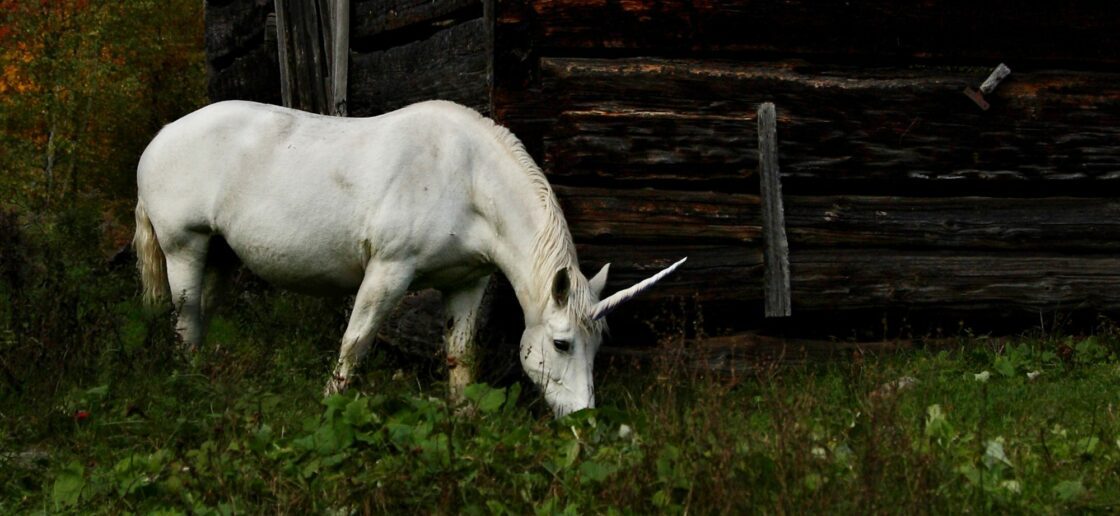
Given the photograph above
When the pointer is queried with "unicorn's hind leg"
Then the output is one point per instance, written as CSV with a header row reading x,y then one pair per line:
x,y
186,261
221,264
383,286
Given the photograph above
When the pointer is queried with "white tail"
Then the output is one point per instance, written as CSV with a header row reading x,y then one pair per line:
x,y
607,305
149,259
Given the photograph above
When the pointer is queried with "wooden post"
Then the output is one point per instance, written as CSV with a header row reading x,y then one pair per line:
x,y
776,254
340,57
282,37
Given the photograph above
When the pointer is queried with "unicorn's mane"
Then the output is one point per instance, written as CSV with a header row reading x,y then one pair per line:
x,y
553,248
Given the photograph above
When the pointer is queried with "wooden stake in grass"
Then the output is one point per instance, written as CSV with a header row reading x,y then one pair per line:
x,y
776,253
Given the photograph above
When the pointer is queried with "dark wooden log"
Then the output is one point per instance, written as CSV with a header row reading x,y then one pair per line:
x,y
844,129
657,216
234,29
1056,224
377,17
597,215
775,247
1070,33
450,65
824,280
713,273
253,76
827,280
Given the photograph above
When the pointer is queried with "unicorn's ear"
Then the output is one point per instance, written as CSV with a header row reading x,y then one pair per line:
x,y
561,287
599,281
605,306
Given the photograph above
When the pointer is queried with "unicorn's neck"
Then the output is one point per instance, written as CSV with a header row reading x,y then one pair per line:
x,y
529,231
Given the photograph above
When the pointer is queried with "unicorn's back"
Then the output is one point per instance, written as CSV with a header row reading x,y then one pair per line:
x,y
325,193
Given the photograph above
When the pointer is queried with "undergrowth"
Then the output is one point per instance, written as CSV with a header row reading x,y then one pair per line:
x,y
100,414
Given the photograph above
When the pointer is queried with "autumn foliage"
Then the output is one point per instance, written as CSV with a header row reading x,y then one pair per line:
x,y
84,86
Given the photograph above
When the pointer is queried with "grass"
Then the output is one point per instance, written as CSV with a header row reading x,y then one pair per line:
x,y
98,414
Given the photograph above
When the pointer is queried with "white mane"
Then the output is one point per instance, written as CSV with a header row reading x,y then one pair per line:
x,y
553,248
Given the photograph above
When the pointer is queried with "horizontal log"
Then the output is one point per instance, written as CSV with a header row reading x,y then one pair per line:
x,y
839,129
234,29
450,65
253,76
1073,33
663,217
376,17
648,215
828,280
959,223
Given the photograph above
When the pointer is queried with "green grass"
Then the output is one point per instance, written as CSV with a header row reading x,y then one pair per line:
x,y
242,429
99,414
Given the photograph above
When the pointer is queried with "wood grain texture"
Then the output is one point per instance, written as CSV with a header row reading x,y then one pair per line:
x,y
449,65
824,280
843,129
1074,33
1056,224
650,216
869,278
376,17
234,29
775,246
253,76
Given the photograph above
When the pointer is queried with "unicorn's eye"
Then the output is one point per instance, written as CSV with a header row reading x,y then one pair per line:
x,y
562,346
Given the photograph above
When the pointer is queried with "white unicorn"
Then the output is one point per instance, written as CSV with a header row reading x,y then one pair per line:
x,y
431,195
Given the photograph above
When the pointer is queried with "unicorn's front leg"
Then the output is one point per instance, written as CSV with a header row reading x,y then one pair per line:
x,y
463,308
384,285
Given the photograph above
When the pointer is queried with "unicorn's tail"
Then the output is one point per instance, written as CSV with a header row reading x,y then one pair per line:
x,y
149,259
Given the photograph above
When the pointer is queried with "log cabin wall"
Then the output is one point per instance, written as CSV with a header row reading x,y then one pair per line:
x,y
902,197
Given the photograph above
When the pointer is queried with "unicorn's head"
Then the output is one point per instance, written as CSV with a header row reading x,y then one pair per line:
x,y
558,349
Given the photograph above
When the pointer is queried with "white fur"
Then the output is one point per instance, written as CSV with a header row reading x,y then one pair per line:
x,y
432,195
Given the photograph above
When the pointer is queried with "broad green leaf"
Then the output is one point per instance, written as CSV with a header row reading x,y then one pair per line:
x,y
492,401
1069,490
571,453
594,471
68,485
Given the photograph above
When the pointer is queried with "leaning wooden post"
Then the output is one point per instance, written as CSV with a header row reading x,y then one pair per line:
x,y
776,254
341,56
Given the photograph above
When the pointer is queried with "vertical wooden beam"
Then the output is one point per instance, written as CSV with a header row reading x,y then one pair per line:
x,y
282,39
340,57
776,254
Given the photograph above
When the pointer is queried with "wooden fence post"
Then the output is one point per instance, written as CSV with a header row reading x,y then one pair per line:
x,y
776,254
340,57
312,38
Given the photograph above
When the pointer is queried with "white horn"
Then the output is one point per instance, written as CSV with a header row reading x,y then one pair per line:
x,y
607,305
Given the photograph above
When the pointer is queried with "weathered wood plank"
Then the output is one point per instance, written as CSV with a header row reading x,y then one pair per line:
x,y
340,55
712,272
844,129
234,29
450,65
775,247
965,223
661,216
879,278
1076,33
824,280
375,17
254,76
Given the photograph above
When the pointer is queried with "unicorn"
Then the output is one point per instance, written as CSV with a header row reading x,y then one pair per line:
x,y
433,195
